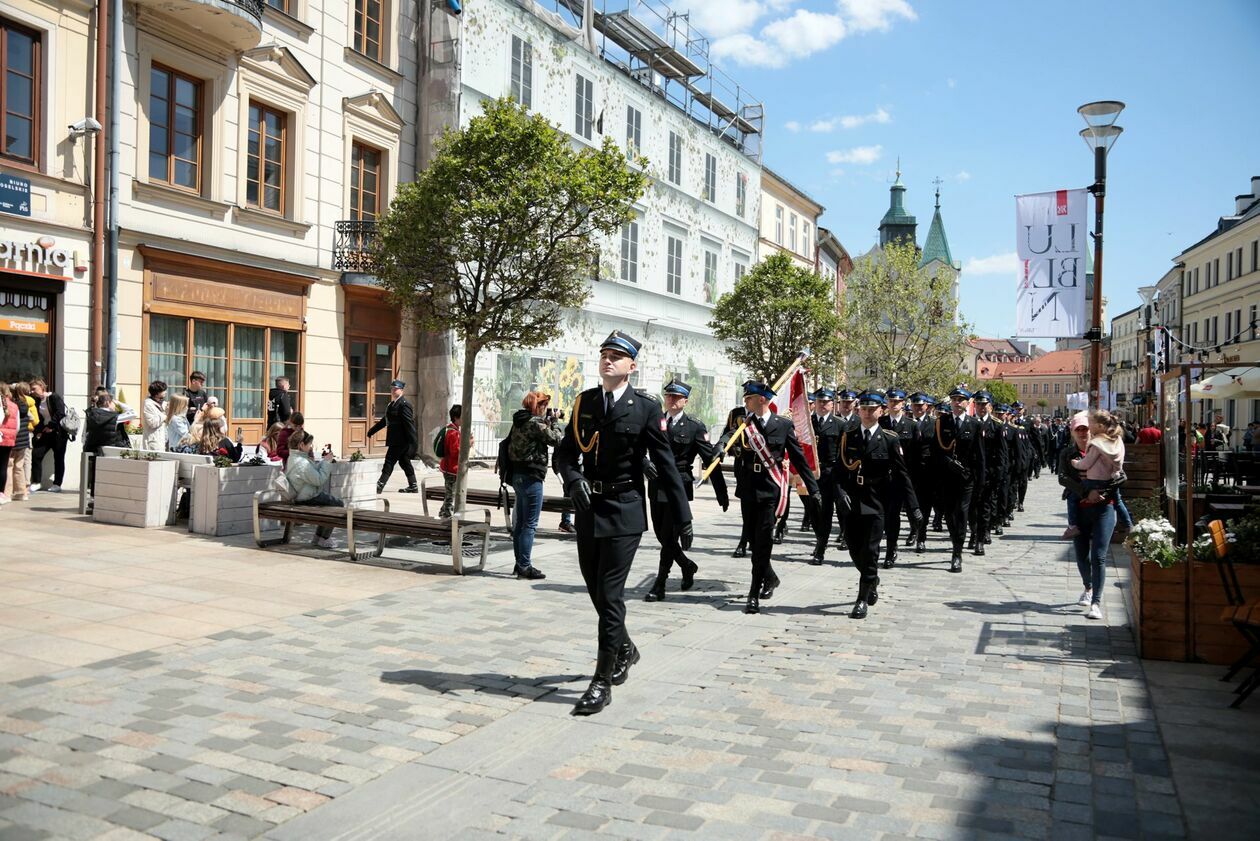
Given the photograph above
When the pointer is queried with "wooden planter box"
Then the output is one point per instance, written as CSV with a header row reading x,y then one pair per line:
x,y
134,492
1158,608
354,482
223,498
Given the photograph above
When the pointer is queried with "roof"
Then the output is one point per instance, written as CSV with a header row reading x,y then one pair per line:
x,y
897,214
937,245
1225,223
765,170
1054,362
996,346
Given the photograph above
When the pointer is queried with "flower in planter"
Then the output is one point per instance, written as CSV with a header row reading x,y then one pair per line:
x,y
221,461
357,455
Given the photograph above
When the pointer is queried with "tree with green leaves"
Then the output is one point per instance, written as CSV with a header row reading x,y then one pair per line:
x,y
901,324
498,236
774,312
1002,391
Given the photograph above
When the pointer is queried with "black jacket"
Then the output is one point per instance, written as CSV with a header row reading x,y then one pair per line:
x,y
874,473
608,451
399,424
827,432
780,435
196,399
996,464
100,429
56,411
689,438
957,448
279,406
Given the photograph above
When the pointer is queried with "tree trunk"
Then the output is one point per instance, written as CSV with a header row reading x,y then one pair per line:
x,y
433,389
465,425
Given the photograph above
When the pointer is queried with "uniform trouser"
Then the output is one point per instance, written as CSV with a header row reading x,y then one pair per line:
x,y
956,505
1012,493
402,458
863,533
1023,485
759,521
828,506
605,564
667,534
989,507
923,493
892,523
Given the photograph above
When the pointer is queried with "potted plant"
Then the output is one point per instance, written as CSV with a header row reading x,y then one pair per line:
x,y
137,489
223,494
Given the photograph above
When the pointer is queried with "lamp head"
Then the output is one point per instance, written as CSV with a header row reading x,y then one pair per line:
x,y
1100,137
1102,113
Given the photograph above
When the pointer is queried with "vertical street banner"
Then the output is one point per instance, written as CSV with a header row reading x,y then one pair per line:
x,y
1052,236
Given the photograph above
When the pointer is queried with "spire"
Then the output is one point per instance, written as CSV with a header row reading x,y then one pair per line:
x,y
937,245
897,224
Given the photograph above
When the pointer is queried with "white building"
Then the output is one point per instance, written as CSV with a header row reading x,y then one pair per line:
x,y
1125,365
654,92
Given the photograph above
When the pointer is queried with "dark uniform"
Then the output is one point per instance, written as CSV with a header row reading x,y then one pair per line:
x,y
959,470
986,511
1026,453
873,473
401,440
827,431
908,435
759,492
733,421
688,438
1009,489
847,421
919,462
600,461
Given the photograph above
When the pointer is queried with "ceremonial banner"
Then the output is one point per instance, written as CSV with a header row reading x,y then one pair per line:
x,y
802,421
1052,236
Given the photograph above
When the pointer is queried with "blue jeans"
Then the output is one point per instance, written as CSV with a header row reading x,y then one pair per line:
x,y
323,498
1072,500
525,511
1096,523
1122,511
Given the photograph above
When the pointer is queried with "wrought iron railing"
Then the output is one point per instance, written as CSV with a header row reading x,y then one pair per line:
x,y
254,7
353,241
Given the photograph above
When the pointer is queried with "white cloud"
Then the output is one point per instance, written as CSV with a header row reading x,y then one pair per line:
x,y
963,175
745,49
858,155
720,18
792,126
879,115
867,15
1004,264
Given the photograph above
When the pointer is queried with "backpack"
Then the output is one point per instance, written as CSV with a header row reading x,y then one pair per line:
x,y
72,421
503,465
439,443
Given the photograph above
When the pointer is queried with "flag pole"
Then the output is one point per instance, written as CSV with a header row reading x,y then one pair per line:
x,y
730,442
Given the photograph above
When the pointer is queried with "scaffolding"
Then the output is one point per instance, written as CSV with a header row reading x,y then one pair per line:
x,y
660,50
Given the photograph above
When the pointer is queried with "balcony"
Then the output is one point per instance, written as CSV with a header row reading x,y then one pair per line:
x,y
353,240
236,23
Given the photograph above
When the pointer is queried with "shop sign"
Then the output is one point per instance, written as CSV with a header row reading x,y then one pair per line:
x,y
22,325
41,257
15,195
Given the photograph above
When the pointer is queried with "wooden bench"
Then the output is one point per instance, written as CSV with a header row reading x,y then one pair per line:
x,y
187,461
268,506
502,498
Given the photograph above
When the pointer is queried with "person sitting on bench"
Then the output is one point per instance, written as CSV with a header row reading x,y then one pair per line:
x,y
308,478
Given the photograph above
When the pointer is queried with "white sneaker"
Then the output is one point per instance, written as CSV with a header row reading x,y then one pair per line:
x,y
4,499
324,542
1086,598
1095,611
54,489
35,488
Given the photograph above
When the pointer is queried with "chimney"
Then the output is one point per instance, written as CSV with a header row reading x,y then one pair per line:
x,y
1255,185
1241,203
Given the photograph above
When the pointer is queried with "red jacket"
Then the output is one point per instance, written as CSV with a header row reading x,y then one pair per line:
x,y
8,431
1149,435
450,450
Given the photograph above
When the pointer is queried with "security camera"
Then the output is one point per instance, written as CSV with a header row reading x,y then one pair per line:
x,y
85,126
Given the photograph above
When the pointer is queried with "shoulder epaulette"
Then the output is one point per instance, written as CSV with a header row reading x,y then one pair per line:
x,y
649,395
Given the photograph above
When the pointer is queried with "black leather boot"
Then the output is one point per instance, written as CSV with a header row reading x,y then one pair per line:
x,y
859,607
979,548
955,562
657,593
599,694
752,605
920,546
741,549
778,531
768,584
890,558
936,524
627,656
689,570
820,550
998,530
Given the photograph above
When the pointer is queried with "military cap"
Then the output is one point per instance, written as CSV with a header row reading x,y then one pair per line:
x,y
825,394
677,386
1002,409
920,397
758,388
622,343
398,384
960,391
895,394
982,396
872,398
1017,405
846,394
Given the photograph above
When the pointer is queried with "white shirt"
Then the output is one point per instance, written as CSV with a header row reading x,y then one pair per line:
x,y
616,393
896,417
764,417
822,418
671,417
868,432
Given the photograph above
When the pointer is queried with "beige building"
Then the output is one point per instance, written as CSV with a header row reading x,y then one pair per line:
x,y
789,221
1044,383
1220,301
1123,369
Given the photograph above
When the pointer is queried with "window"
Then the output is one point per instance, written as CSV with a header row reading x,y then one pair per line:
x,y
710,178
1196,280
1034,388
20,93
367,28
673,265
264,175
1253,322
282,5
584,113
1194,336
634,130
792,231
1229,266
1056,388
805,239
174,128
741,269
1255,254
522,71
675,158
1229,326
778,224
710,276
1216,329
630,252
365,182
741,195
1238,269
1025,388
1216,272
1238,326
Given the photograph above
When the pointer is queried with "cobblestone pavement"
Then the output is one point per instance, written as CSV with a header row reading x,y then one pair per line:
x,y
967,706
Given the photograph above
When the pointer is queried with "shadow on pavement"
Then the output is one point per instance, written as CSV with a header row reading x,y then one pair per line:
x,y
507,686
1013,607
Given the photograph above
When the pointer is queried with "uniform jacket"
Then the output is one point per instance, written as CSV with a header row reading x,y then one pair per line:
x,y
399,424
993,433
1034,442
1023,448
919,459
907,431
632,431
957,448
689,438
874,473
827,432
780,435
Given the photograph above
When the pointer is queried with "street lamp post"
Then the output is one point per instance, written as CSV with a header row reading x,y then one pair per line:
x,y
1099,135
1146,358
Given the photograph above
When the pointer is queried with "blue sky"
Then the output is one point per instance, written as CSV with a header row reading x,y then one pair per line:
x,y
983,94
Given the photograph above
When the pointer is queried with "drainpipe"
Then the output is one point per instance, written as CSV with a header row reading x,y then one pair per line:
x,y
115,98
95,341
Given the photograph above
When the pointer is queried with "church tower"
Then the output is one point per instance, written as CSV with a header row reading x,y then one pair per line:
x,y
897,224
937,245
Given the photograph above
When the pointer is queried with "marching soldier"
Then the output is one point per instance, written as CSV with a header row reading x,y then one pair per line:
x,y
873,473
1006,482
987,510
846,401
733,420
959,468
827,430
688,438
896,420
600,461
1025,451
919,462
765,483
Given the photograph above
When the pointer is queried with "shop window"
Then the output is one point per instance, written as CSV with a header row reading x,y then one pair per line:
x,y
174,128
26,336
20,93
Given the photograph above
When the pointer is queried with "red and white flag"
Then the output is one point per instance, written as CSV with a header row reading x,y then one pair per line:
x,y
799,401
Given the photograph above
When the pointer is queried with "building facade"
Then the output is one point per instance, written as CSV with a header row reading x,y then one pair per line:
x,y
1123,369
788,222
1044,383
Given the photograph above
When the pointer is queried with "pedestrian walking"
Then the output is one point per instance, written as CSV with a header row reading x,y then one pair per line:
x,y
1095,520
20,457
399,423
874,476
9,420
613,429
987,510
688,439
534,431
959,455
734,421
919,462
